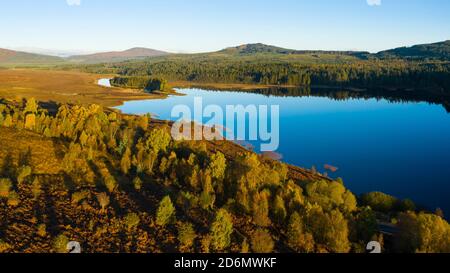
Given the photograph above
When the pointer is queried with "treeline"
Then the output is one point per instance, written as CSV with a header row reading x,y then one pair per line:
x,y
395,73
124,185
141,82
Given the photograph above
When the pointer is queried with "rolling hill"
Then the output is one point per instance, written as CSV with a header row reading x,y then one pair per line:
x,y
437,51
259,48
249,49
118,56
11,57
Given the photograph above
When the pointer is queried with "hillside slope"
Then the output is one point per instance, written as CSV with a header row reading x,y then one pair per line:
x,y
118,56
438,51
11,57
120,183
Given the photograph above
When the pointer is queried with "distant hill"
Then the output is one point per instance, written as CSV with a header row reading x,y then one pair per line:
x,y
252,49
118,56
249,49
438,51
11,57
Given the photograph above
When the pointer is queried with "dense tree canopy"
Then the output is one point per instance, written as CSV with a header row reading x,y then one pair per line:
x,y
123,184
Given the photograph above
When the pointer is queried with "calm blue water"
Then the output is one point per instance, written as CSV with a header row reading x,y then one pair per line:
x,y
401,149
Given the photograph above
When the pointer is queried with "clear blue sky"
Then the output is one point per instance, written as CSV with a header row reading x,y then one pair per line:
x,y
208,25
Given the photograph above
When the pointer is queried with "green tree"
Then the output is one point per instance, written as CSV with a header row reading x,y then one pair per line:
x,y
298,239
331,195
207,197
186,235
329,229
125,163
260,208
423,233
166,212
379,201
158,140
218,165
111,183
221,230
262,241
279,209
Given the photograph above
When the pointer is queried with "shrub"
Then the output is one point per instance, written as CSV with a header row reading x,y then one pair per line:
x,y
132,220
77,197
103,200
245,248
166,212
13,199
262,241
221,230
137,183
41,230
60,244
4,247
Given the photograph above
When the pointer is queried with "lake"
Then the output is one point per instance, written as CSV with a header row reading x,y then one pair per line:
x,y
401,148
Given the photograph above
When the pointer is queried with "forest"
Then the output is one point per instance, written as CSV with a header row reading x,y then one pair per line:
x,y
144,83
120,183
288,71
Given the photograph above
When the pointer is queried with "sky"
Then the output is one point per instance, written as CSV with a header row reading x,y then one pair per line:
x,y
188,26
